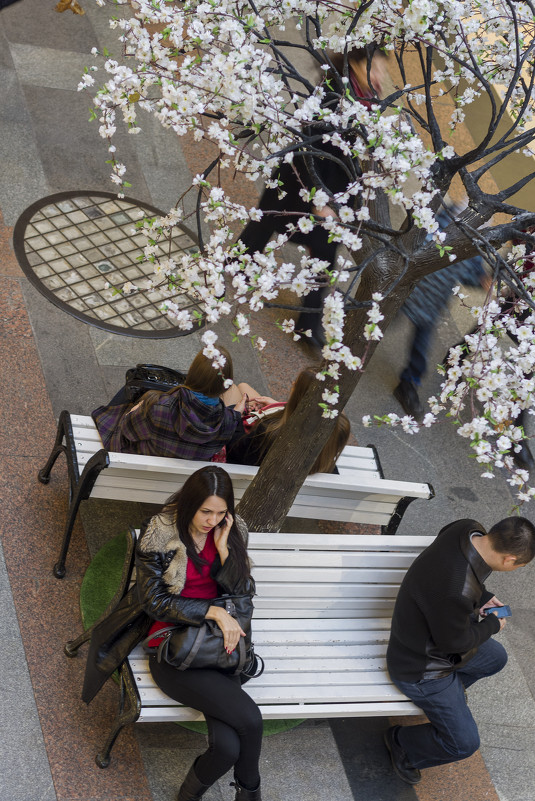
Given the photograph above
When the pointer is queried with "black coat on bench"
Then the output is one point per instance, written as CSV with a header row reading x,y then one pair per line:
x,y
160,561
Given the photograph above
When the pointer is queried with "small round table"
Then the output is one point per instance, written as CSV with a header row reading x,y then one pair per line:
x,y
79,249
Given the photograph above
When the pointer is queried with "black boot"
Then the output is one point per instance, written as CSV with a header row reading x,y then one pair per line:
x,y
406,394
192,789
245,795
523,459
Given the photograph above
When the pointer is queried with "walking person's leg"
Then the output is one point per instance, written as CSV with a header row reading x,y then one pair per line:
x,y
311,317
234,725
406,391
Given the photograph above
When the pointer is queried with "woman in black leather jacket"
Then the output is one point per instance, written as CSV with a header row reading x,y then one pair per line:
x,y
194,550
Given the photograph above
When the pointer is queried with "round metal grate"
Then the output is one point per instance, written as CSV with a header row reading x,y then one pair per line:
x,y
79,248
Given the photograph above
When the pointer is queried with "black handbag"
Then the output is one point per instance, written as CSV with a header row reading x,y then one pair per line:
x,y
144,377
202,646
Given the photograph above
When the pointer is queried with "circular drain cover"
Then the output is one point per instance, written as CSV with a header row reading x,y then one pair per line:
x,y
79,248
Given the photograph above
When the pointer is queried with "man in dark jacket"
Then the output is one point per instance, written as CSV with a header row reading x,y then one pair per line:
x,y
441,638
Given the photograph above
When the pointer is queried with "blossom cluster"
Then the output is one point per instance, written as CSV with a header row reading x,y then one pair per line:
x,y
488,383
224,72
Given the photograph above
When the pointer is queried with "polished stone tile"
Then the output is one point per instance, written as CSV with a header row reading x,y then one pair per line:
x,y
112,349
64,345
8,262
48,616
22,178
72,153
25,768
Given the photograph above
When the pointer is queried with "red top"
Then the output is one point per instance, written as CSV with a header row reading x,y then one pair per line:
x,y
197,585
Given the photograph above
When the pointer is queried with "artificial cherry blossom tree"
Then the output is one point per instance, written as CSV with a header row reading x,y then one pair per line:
x,y
226,71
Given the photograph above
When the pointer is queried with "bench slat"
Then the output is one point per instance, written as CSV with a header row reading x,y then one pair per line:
x,y
282,712
310,679
304,574
337,608
302,694
387,544
297,559
139,663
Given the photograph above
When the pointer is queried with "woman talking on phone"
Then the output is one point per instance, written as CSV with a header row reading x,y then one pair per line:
x,y
194,550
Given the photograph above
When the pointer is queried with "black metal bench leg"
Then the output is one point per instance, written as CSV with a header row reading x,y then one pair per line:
x,y
82,490
401,508
44,474
130,698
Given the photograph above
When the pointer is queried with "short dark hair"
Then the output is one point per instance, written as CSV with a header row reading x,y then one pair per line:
x,y
514,536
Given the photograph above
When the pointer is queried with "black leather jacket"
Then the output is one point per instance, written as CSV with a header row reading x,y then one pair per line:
x,y
160,576
436,627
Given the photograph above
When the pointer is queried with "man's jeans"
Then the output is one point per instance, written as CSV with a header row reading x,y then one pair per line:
x,y
451,733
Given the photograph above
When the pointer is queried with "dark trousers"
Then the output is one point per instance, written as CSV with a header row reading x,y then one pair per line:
x,y
417,365
255,237
451,733
233,719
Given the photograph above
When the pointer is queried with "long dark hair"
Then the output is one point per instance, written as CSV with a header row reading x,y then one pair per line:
x,y
334,446
184,504
201,377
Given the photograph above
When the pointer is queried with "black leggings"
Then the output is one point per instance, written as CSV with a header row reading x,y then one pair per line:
x,y
234,720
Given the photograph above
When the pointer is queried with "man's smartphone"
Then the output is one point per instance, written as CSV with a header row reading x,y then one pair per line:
x,y
501,611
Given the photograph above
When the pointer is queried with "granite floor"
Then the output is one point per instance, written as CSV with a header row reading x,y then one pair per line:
x,y
48,738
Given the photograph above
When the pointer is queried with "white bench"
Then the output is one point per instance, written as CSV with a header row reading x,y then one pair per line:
x,y
359,494
321,623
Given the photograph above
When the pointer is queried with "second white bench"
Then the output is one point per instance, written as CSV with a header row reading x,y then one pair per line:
x,y
358,494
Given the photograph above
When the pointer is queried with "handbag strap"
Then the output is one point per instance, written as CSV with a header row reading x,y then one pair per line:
x,y
199,641
201,634
156,635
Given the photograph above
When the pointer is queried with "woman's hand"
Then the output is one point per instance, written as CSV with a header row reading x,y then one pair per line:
x,y
221,533
232,631
324,212
258,403
240,406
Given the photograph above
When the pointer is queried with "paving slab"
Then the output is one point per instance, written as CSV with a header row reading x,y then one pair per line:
x,y
33,22
25,770
73,154
49,67
22,177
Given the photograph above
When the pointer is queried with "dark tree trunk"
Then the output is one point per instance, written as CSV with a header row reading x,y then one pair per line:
x,y
268,499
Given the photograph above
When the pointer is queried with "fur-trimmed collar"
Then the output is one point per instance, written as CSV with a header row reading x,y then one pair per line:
x,y
161,536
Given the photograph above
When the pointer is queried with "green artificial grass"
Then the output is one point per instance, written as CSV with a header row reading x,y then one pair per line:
x,y
100,584
101,580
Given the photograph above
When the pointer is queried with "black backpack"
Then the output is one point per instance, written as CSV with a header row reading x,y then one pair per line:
x,y
143,377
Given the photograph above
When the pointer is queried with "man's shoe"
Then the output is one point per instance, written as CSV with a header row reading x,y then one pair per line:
x,y
400,763
406,394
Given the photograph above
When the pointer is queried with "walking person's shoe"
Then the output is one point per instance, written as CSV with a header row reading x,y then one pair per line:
x,y
406,394
400,762
245,795
192,789
523,459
